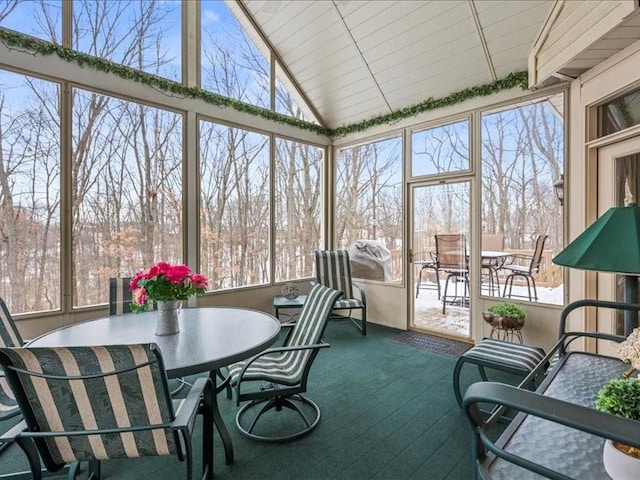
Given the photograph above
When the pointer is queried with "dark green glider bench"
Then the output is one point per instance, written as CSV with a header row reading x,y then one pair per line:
x,y
557,432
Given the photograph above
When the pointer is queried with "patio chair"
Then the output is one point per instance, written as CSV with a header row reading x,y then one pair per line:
x,y
430,264
283,373
529,266
451,253
90,404
333,270
493,242
120,297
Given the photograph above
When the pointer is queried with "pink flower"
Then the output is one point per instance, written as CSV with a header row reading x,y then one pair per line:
x,y
177,274
136,280
199,281
140,296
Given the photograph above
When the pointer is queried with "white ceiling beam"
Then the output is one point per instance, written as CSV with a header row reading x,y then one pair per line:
x,y
360,55
483,40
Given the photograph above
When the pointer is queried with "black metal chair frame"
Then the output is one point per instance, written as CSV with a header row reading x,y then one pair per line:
x,y
535,262
26,434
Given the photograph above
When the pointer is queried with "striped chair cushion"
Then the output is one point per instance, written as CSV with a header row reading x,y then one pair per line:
x,y
135,397
348,303
119,295
501,353
333,270
9,335
287,368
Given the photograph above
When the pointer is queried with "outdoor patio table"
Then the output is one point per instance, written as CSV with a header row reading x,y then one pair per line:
x,y
209,339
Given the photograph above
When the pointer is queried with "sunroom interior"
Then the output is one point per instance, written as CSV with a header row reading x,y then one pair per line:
x,y
241,136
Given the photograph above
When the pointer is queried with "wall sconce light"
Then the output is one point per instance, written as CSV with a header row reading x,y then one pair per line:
x,y
558,186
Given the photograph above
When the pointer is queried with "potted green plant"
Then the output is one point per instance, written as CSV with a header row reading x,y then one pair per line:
x,y
505,316
620,397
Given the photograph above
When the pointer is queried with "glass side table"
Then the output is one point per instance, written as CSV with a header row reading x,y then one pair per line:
x,y
282,303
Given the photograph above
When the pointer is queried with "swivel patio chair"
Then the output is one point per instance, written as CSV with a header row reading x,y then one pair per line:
x,y
90,404
283,373
529,266
451,254
333,270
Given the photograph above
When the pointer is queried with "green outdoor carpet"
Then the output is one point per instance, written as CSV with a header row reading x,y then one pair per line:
x,y
388,412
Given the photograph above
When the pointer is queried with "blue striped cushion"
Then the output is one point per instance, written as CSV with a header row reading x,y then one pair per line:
x,y
136,397
498,352
287,368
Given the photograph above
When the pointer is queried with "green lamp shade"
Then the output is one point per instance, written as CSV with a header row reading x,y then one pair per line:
x,y
610,244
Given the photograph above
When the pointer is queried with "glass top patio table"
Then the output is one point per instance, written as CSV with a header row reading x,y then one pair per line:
x,y
210,338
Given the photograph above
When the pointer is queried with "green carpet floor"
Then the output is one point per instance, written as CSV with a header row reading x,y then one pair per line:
x,y
388,412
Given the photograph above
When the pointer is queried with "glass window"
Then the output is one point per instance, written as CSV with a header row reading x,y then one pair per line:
x,y
620,113
234,212
126,192
29,193
298,203
522,158
231,64
369,203
143,34
288,102
39,18
441,149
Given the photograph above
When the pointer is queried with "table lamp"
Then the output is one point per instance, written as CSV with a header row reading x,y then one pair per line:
x,y
610,244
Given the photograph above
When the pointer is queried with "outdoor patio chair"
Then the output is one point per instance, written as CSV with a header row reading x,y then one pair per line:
x,y
120,297
90,404
333,270
451,253
429,264
493,242
525,266
285,370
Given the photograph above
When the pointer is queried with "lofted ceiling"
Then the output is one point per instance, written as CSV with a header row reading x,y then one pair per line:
x,y
358,59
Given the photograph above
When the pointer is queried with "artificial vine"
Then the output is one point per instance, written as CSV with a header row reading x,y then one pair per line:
x,y
15,40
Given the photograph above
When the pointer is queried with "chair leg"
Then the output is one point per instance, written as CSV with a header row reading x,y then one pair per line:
x,y
419,281
535,292
444,294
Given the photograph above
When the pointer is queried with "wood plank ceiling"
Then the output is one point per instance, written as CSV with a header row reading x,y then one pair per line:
x,y
358,59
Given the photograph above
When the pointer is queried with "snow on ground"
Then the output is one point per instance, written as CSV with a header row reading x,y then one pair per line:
x,y
455,320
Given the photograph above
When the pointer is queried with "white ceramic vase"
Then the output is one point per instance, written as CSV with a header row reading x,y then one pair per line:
x,y
167,322
618,465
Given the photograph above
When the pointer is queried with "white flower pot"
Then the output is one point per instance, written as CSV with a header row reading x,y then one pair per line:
x,y
618,465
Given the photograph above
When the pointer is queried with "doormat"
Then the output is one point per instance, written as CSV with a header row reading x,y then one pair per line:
x,y
441,345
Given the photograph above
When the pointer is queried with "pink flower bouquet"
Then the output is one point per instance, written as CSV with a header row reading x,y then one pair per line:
x,y
165,282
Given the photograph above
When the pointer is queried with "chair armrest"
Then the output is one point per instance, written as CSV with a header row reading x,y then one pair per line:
x,y
552,409
316,346
13,433
189,409
361,291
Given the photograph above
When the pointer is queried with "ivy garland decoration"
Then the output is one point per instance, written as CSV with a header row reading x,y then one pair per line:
x,y
15,40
